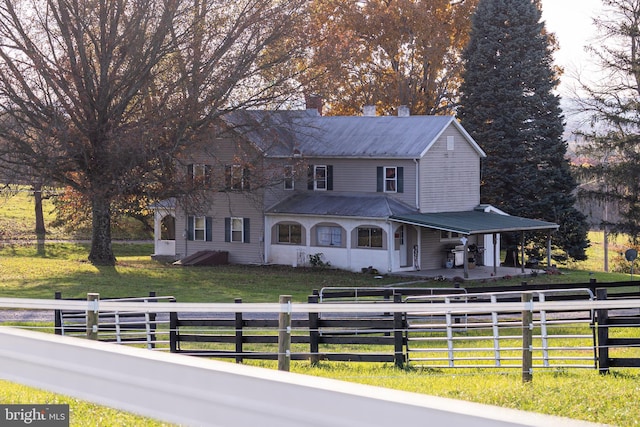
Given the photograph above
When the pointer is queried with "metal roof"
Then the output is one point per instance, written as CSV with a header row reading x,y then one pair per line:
x,y
474,222
169,203
279,133
341,205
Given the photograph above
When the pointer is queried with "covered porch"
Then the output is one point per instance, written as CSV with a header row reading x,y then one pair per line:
x,y
484,224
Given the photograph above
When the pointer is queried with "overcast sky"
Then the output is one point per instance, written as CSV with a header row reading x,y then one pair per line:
x,y
572,23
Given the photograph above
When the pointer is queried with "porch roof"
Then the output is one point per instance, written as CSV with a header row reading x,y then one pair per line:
x,y
341,204
474,222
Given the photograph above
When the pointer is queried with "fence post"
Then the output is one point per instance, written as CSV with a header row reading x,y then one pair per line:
x,y
602,318
239,323
284,333
398,333
58,316
527,338
92,315
314,332
153,326
173,332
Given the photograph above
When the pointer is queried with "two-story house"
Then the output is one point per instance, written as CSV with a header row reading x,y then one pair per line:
x,y
394,193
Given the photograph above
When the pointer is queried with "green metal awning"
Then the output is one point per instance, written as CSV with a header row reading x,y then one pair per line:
x,y
474,222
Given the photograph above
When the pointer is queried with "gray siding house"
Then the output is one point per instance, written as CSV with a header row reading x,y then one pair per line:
x,y
391,193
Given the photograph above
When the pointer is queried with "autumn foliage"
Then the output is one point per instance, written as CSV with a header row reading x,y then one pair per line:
x,y
387,53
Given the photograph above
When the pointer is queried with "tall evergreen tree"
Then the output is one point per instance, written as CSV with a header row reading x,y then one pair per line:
x,y
508,106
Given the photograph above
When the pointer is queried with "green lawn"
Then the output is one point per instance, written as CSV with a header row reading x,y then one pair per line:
x,y
64,268
580,394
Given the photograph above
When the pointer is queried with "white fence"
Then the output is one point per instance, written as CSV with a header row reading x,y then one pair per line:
x,y
192,391
199,392
444,340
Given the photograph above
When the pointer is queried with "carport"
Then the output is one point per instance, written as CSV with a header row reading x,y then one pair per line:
x,y
484,221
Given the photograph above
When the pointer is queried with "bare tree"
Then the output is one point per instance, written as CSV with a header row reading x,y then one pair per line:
x,y
612,105
103,96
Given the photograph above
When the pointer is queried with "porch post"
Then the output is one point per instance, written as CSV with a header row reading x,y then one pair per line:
x,y
391,249
496,255
522,254
465,242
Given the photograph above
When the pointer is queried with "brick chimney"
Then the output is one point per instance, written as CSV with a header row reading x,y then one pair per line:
x,y
313,102
369,111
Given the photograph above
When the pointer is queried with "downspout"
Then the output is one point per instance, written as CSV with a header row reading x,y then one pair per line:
x,y
185,233
417,163
266,237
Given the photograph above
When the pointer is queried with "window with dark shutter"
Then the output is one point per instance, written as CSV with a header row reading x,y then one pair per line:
x,y
390,179
236,230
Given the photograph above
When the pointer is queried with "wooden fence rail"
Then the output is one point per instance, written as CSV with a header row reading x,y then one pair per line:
x,y
609,347
375,336
131,327
312,337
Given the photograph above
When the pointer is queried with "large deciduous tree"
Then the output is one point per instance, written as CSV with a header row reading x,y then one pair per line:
x,y
388,53
612,104
508,105
103,96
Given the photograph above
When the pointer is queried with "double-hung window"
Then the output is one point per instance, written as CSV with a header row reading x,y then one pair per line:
x,y
369,237
320,177
390,179
290,233
237,177
236,229
329,236
288,177
199,174
199,228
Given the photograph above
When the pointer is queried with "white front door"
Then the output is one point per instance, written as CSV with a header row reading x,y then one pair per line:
x,y
402,245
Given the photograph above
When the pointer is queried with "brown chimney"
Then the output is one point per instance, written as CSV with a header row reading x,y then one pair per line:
x,y
313,102
369,111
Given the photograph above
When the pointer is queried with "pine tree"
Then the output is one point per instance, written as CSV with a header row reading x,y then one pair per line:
x,y
508,106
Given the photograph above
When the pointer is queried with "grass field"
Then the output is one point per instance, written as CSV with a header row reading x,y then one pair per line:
x,y
580,394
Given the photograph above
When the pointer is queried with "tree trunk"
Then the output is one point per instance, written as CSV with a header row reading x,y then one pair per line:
x,y
509,242
40,228
511,258
101,251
